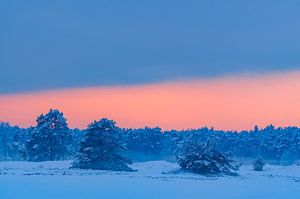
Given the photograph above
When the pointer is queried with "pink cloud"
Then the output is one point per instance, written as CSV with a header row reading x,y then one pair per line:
x,y
225,103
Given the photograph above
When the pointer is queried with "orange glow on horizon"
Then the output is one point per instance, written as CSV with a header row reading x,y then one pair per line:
x,y
230,103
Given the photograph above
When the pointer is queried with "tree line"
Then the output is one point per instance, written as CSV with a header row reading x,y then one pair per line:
x,y
103,145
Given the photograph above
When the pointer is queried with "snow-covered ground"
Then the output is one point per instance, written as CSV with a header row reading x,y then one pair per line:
x,y
155,180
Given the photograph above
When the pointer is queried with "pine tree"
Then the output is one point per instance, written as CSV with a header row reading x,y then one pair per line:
x,y
49,139
101,148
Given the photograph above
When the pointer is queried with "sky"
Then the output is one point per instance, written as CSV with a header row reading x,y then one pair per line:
x,y
61,49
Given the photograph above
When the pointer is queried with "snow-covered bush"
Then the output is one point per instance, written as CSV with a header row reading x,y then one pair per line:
x,y
258,164
101,148
205,159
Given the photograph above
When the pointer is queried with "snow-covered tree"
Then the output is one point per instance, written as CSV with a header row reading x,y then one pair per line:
x,y
49,139
205,159
258,164
101,148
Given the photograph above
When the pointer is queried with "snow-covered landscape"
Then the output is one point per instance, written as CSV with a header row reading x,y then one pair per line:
x,y
149,99
51,161
153,179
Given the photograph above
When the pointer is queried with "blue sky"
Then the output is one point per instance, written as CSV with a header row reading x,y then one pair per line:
x,y
68,43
